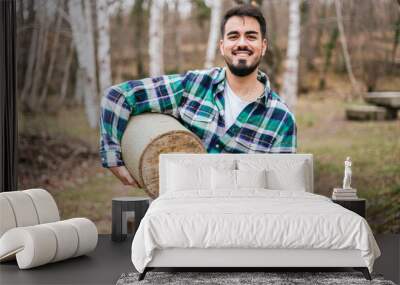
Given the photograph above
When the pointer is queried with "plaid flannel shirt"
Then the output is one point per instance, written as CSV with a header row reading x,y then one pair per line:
x,y
196,99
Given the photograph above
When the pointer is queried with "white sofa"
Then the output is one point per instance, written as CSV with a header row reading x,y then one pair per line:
x,y
177,229
31,231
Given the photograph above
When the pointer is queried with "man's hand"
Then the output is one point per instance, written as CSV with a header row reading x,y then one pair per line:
x,y
122,173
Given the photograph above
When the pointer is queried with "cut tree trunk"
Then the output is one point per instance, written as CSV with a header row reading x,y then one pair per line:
x,y
148,135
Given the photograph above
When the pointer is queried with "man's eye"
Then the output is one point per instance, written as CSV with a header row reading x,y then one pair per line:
x,y
232,37
252,38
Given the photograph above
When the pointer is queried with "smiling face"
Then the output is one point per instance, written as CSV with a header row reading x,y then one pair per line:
x,y
242,45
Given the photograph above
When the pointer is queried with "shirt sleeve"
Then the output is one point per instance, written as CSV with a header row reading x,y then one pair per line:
x,y
158,94
286,141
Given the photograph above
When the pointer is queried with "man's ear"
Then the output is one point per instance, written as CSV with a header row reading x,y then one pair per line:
x,y
264,46
221,47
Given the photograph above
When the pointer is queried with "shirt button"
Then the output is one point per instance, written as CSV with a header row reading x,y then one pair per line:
x,y
217,145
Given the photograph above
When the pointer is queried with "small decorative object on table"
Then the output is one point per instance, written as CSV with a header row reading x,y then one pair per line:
x,y
345,193
127,212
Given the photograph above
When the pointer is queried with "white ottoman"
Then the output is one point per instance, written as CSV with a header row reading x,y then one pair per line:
x,y
31,232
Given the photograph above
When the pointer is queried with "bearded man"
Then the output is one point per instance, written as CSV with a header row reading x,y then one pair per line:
x,y
231,109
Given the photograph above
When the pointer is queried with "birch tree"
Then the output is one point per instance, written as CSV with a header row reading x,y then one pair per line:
x,y
343,41
53,57
82,34
291,74
216,7
103,44
156,37
66,75
39,58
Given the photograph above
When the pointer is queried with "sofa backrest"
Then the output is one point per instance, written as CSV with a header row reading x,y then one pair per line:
x,y
285,171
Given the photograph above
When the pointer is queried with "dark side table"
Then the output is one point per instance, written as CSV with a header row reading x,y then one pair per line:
x,y
358,206
127,212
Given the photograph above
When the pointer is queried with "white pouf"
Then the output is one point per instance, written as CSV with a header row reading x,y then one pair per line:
x,y
31,232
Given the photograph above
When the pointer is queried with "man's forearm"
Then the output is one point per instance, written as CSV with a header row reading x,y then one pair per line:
x,y
114,116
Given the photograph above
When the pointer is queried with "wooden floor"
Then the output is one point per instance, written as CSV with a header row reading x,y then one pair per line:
x,y
111,259
102,266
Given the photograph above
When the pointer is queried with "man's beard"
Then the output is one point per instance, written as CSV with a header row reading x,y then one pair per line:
x,y
241,69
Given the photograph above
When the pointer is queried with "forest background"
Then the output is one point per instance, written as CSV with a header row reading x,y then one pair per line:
x,y
323,57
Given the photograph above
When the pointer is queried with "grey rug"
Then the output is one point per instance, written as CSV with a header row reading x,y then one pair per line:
x,y
270,278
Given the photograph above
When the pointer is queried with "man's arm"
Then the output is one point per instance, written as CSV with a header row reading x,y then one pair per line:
x,y
159,94
286,141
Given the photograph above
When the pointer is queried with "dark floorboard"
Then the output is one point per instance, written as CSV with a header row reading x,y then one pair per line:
x,y
111,259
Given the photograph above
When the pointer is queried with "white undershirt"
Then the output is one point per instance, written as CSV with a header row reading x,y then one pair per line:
x,y
233,106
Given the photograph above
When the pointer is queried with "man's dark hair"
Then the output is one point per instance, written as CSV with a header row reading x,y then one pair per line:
x,y
245,10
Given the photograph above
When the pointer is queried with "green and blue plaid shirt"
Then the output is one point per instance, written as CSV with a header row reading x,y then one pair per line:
x,y
196,99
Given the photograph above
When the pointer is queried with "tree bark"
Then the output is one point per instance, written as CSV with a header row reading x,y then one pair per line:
x,y
79,91
65,81
216,7
156,37
54,50
138,21
103,45
178,38
31,63
290,77
82,33
354,83
40,59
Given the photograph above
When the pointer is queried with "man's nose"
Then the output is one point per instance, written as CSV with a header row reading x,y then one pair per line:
x,y
242,41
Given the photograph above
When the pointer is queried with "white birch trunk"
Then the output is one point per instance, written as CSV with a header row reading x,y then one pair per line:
x,y
103,44
216,7
291,74
79,91
65,81
82,33
40,60
354,83
178,38
53,57
156,36
31,63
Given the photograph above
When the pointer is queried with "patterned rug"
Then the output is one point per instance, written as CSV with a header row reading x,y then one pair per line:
x,y
269,278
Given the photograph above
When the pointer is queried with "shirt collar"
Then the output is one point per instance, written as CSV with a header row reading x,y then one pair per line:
x,y
219,78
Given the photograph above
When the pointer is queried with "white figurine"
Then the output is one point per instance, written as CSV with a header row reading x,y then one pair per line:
x,y
347,174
